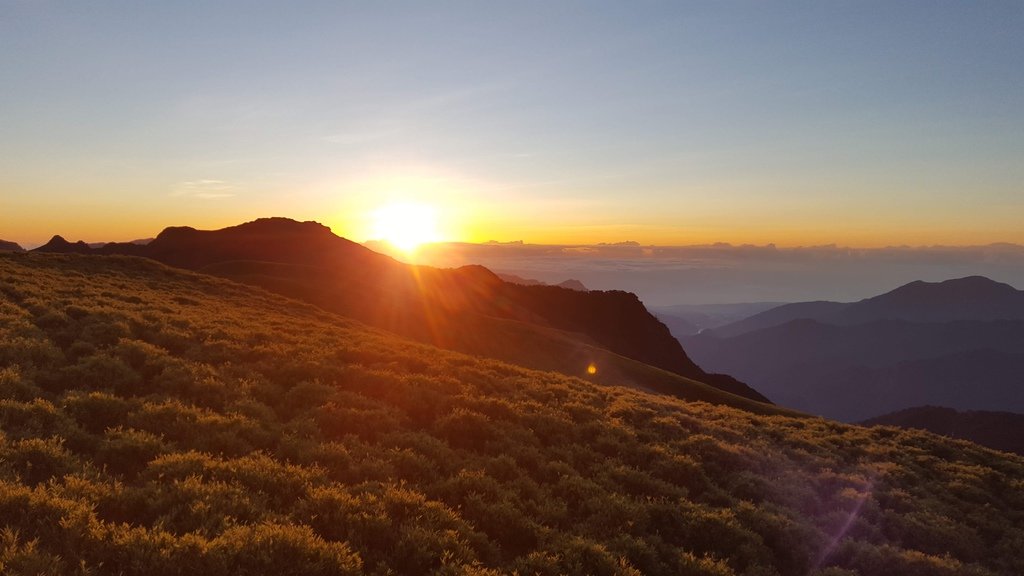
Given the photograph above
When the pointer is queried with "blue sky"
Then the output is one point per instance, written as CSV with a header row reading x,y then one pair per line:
x,y
861,123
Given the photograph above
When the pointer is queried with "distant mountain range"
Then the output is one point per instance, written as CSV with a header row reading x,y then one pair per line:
x,y
469,309
958,343
999,430
6,246
689,319
970,298
571,284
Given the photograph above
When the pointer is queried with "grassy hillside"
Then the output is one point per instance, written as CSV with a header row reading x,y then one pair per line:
x,y
463,309
156,421
510,340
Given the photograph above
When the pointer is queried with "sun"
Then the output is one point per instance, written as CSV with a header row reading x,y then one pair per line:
x,y
406,225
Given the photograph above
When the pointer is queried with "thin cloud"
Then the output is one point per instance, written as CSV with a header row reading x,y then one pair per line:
x,y
723,273
204,189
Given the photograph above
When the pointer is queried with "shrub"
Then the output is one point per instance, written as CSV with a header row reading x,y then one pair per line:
x,y
24,558
96,411
127,451
14,386
36,460
284,549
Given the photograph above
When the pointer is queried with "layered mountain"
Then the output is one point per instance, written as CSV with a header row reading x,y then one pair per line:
x,y
469,309
571,283
6,246
958,343
970,298
689,319
999,430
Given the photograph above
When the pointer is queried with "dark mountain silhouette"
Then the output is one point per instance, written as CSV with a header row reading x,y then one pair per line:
x,y
822,311
689,319
515,279
970,380
58,245
908,347
6,246
998,430
970,298
468,309
873,345
571,284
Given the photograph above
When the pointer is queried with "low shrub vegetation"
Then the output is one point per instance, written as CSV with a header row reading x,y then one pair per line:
x,y
154,421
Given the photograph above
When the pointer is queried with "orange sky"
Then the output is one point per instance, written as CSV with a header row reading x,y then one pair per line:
x,y
663,123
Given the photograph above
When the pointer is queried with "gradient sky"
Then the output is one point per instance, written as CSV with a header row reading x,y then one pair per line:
x,y
859,123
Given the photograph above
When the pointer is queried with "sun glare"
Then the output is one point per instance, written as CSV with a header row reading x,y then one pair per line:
x,y
406,225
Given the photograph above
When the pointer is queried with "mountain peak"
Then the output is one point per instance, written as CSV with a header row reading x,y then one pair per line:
x,y
573,284
273,226
978,282
173,232
968,298
282,225
967,282
7,246
59,245
958,289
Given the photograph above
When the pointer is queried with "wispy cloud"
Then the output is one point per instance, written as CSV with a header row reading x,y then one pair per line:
x,y
204,189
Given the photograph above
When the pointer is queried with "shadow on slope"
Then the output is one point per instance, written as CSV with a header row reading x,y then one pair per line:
x,y
305,260
998,430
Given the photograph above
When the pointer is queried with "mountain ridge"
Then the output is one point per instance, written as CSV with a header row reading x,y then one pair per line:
x,y
7,246
421,302
957,343
966,298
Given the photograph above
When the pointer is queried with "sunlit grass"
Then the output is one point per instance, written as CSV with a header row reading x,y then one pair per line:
x,y
156,421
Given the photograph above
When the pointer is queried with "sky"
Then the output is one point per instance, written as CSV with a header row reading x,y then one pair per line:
x,y
673,123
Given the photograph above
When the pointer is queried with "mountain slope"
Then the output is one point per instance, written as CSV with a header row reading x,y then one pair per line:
x,y
6,246
855,372
305,260
157,421
998,430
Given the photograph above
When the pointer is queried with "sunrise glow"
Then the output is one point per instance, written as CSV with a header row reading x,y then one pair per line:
x,y
406,225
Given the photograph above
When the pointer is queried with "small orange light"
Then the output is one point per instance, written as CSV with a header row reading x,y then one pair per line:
x,y
591,369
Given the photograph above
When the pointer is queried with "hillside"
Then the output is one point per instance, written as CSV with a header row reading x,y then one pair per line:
x,y
466,309
6,246
998,430
156,421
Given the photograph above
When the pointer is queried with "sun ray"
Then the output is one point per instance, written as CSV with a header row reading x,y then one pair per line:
x,y
406,225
